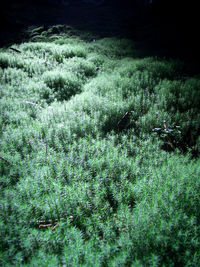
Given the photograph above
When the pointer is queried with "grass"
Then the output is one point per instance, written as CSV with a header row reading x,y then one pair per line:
x,y
99,155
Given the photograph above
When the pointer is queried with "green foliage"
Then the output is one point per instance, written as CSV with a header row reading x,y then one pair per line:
x,y
9,60
112,47
85,170
55,50
162,69
63,84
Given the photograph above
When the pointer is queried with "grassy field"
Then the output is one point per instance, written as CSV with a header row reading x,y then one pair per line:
x,y
99,154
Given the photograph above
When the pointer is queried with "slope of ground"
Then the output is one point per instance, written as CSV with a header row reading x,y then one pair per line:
x,y
98,154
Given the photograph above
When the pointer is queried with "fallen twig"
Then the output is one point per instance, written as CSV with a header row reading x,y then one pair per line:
x,y
16,50
51,226
32,103
54,227
45,225
79,70
123,120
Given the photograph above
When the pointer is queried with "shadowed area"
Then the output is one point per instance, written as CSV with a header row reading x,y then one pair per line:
x,y
158,28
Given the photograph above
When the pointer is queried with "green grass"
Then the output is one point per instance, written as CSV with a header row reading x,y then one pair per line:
x,y
99,155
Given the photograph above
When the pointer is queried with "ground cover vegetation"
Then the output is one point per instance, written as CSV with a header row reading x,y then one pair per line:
x,y
99,155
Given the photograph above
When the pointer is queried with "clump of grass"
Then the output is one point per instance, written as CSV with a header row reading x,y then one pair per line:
x,y
9,60
63,84
61,34
162,69
82,67
112,47
65,50
14,76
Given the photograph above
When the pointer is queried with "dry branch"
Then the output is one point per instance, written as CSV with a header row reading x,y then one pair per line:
x,y
54,227
45,225
16,50
123,120
32,103
49,225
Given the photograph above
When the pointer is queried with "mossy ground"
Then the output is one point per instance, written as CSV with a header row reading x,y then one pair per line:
x,y
99,154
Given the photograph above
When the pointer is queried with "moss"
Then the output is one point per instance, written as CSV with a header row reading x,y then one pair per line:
x,y
84,176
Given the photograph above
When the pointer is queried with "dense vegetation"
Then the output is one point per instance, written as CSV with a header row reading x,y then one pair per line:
x,y
99,155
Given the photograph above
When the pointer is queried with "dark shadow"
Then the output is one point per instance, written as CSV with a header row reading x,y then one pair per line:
x,y
158,29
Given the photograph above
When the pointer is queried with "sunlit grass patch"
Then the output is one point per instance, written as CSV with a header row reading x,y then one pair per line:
x,y
11,113
55,50
81,67
14,76
86,175
10,60
63,84
97,59
83,115
173,223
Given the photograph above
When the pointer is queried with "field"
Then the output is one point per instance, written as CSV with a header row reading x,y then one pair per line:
x,y
99,154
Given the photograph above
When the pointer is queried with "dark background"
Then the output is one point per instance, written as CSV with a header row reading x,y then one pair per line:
x,y
158,25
